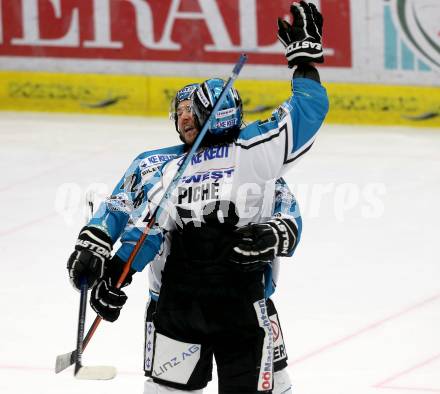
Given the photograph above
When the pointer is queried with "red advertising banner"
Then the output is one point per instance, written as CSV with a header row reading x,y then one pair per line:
x,y
191,31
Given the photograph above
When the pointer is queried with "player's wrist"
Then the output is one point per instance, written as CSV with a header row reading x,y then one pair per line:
x,y
307,70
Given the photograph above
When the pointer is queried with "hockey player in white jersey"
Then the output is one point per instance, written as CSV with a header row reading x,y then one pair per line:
x,y
226,315
110,220
212,296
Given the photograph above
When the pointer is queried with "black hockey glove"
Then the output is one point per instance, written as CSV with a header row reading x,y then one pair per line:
x,y
92,250
257,244
302,39
106,300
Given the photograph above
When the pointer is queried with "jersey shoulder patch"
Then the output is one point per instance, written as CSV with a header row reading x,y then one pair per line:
x,y
150,161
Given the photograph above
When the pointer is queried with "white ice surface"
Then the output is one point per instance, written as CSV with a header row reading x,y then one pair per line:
x,y
359,302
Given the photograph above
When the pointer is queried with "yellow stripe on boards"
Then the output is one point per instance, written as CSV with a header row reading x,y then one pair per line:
x,y
151,96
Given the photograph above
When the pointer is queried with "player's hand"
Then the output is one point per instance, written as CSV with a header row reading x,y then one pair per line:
x,y
92,250
107,300
257,244
302,39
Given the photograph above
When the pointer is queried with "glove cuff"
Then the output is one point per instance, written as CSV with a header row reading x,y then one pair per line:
x,y
287,233
113,271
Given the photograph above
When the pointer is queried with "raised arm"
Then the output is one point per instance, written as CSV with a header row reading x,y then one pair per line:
x,y
291,130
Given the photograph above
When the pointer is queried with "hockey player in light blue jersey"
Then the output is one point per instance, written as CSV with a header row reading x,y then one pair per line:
x,y
127,201
212,296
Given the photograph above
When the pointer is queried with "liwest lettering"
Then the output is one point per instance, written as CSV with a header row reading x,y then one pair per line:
x,y
215,175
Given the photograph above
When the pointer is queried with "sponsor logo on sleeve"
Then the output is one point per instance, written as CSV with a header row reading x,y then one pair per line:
x,y
119,203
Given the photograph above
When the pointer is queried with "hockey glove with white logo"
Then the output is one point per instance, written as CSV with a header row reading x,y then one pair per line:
x,y
303,38
257,244
107,300
92,250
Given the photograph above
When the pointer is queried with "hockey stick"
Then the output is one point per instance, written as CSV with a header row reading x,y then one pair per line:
x,y
65,360
87,372
83,372
81,321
